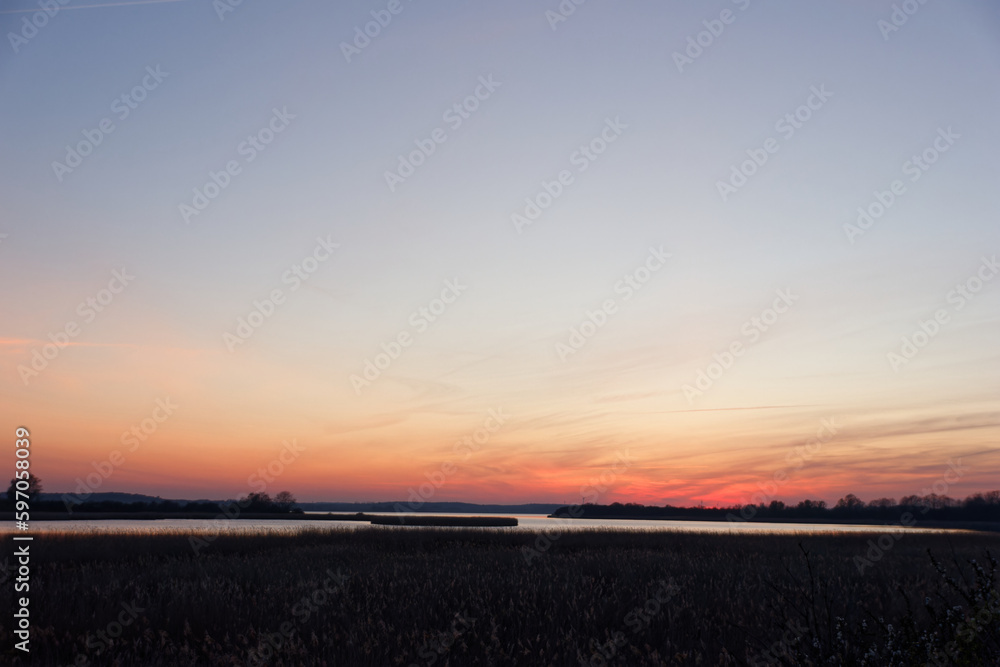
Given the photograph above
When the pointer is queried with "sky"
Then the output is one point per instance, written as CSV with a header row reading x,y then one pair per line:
x,y
716,252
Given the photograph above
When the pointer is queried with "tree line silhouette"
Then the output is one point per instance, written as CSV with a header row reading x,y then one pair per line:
x,y
255,502
976,507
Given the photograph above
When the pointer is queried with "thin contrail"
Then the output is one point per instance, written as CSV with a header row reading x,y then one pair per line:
x,y
106,4
750,407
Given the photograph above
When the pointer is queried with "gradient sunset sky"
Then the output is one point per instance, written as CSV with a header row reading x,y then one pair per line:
x,y
669,129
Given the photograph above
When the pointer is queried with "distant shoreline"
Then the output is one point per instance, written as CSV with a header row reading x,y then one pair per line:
x,y
449,520
990,526
374,519
208,516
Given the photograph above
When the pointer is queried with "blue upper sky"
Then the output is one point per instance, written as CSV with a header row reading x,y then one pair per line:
x,y
309,135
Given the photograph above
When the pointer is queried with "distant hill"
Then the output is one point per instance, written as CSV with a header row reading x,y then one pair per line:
x,y
439,507
114,497
459,508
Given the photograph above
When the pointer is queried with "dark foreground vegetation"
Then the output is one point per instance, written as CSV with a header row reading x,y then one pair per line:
x,y
387,596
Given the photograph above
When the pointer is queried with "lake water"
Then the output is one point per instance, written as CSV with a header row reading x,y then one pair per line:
x,y
533,522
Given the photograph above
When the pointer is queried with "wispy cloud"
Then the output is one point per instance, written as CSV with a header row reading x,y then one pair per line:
x,y
103,4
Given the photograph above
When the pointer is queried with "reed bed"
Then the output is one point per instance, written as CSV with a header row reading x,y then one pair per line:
x,y
453,596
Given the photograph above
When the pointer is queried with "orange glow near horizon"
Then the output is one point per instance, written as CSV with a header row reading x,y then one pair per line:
x,y
207,447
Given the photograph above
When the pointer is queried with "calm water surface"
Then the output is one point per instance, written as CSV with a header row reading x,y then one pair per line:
x,y
535,522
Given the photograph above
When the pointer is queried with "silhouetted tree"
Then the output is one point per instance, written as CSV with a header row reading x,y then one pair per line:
x,y
258,501
991,498
262,502
933,501
285,501
34,488
811,505
850,503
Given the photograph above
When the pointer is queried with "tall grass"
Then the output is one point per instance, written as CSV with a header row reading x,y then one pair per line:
x,y
470,597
